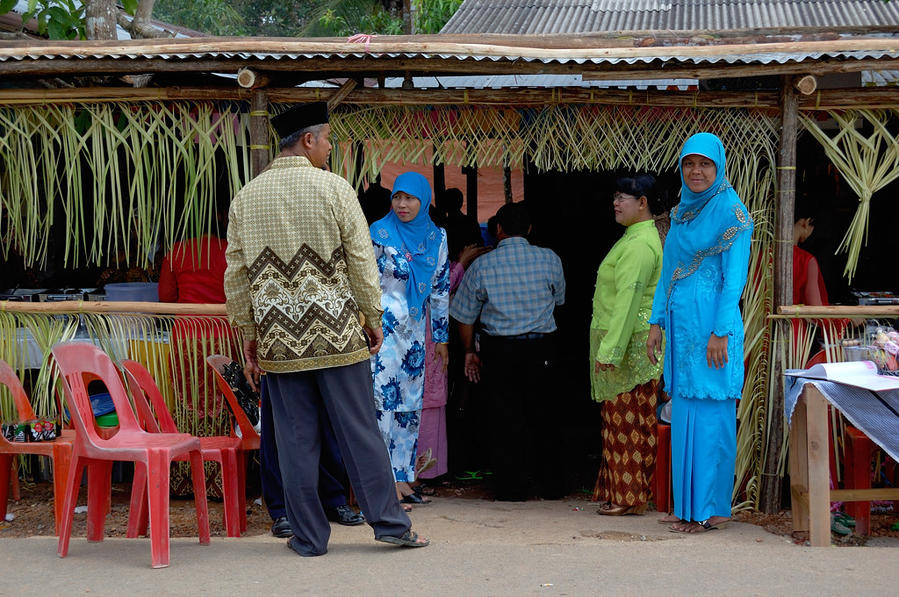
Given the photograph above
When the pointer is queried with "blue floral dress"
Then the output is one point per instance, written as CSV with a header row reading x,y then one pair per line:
x,y
398,370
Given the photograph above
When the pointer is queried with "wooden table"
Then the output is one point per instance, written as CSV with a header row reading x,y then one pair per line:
x,y
810,471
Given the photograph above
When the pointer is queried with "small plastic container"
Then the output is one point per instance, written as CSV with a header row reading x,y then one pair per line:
x,y
147,292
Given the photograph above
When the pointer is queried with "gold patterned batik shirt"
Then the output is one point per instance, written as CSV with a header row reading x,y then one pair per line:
x,y
301,269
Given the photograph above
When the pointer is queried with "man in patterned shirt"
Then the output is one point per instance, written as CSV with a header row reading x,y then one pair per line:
x,y
514,290
301,270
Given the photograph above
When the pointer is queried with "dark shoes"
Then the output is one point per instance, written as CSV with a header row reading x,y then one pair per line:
x,y
416,499
281,528
344,515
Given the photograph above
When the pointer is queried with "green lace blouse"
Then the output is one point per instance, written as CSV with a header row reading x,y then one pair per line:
x,y
622,303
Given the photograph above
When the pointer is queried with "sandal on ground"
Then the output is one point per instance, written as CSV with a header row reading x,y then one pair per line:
x,y
427,490
697,527
610,509
409,539
406,507
669,519
416,499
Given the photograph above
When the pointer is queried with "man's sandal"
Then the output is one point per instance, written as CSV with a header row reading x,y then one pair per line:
x,y
408,539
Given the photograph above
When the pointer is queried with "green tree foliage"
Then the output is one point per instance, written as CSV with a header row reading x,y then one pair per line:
x,y
432,15
215,17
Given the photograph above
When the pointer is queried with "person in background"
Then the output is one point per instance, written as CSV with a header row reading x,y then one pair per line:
x,y
697,303
298,226
462,230
194,272
375,201
513,291
623,379
808,283
412,257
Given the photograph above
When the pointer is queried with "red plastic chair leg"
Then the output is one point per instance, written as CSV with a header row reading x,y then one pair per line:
x,y
14,481
99,486
231,491
242,488
138,515
662,477
5,478
158,498
62,461
859,451
199,479
73,484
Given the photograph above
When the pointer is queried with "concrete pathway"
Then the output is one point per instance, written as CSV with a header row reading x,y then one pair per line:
x,y
478,548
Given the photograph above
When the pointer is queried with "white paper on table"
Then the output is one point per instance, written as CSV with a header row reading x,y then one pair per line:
x,y
861,374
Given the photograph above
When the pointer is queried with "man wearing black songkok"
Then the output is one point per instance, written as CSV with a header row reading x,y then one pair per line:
x,y
302,285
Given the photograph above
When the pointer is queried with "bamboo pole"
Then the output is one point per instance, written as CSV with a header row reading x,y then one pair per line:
x,y
260,141
783,286
835,311
826,99
113,307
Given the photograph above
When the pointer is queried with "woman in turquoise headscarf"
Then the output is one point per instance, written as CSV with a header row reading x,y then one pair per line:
x,y
411,253
704,269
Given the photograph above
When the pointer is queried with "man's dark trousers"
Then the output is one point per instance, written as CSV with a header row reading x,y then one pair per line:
x,y
346,394
332,479
527,442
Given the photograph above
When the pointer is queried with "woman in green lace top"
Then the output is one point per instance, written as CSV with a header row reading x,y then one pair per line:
x,y
623,379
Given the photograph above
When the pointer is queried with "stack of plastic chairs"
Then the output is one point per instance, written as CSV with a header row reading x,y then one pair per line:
x,y
152,453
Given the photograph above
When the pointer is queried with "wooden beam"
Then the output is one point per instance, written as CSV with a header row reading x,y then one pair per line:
x,y
840,311
825,99
806,85
864,495
783,286
113,307
251,79
341,93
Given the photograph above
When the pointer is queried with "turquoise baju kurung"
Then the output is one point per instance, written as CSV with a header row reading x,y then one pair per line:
x,y
704,270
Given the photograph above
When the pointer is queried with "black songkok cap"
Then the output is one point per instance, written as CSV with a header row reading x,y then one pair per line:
x,y
299,117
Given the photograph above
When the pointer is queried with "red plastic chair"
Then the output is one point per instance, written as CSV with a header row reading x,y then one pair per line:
x,y
79,364
59,450
662,475
221,449
248,436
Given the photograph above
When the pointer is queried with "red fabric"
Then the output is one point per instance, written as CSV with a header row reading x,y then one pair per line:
x,y
194,272
801,261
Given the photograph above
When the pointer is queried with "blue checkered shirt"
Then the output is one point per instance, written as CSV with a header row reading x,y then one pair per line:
x,y
513,289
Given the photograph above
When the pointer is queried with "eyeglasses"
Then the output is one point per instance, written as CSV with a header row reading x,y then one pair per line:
x,y
619,197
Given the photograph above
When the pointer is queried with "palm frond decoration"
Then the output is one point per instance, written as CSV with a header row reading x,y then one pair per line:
x,y
867,163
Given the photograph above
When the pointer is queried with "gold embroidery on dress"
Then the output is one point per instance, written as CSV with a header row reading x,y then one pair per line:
x,y
681,271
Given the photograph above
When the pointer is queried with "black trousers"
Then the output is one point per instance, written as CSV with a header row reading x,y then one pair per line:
x,y
524,422
346,393
332,478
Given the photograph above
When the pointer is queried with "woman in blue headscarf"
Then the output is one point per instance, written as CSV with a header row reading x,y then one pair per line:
x,y
696,302
411,253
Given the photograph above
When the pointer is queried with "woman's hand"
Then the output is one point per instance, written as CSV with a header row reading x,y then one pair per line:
x,y
472,367
654,343
597,367
441,351
470,253
716,353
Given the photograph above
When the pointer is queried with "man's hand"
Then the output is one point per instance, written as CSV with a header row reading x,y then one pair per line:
x,y
251,370
441,351
597,367
472,367
654,343
716,353
375,338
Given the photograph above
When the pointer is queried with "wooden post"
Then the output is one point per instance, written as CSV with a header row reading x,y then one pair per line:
x,y
260,141
471,190
783,287
439,178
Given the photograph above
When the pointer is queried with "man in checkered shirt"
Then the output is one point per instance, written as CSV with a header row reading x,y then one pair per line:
x,y
513,291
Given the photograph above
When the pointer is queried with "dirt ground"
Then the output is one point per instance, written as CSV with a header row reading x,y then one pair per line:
x,y
33,514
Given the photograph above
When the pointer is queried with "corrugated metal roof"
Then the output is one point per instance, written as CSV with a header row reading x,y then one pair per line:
x,y
534,81
593,16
